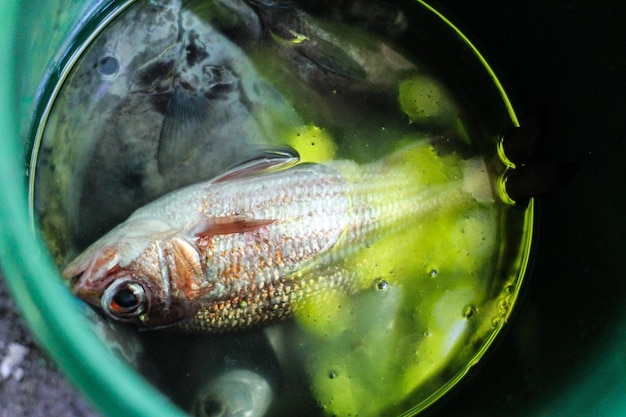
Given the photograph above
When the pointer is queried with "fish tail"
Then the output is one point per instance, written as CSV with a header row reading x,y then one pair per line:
x,y
410,185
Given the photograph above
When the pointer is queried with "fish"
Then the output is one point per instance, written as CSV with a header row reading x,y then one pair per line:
x,y
334,70
250,246
327,54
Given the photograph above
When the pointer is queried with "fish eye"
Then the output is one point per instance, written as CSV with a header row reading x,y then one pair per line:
x,y
124,299
108,65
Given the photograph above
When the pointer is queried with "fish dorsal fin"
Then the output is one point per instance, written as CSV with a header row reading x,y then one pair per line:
x,y
261,161
229,225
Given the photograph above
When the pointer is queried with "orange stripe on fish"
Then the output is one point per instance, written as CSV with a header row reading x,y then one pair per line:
x,y
232,224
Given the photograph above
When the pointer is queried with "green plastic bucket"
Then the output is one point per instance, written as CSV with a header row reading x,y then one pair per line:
x,y
45,304
33,278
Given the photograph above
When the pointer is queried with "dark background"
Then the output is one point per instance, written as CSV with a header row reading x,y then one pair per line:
x,y
564,351
568,335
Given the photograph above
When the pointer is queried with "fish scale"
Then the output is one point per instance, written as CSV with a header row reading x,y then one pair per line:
x,y
269,303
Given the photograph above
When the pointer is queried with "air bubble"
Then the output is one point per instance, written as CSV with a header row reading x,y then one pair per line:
x,y
433,272
382,285
108,65
468,311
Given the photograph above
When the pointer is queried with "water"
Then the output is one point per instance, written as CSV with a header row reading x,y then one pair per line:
x,y
171,94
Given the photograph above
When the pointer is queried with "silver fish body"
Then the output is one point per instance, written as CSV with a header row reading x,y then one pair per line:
x,y
248,248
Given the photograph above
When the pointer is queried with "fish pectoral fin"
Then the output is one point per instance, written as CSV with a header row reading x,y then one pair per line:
x,y
261,160
229,225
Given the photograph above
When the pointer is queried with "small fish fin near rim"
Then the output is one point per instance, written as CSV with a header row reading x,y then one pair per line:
x,y
261,161
187,117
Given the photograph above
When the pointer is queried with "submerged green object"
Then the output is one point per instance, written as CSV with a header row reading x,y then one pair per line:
x,y
428,305
424,100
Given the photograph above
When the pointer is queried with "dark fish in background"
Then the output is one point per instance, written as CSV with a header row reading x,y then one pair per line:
x,y
336,72
161,99
324,54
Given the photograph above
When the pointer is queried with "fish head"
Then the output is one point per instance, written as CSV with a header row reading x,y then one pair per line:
x,y
124,275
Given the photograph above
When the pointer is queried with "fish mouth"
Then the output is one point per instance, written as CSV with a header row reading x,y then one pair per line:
x,y
90,296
